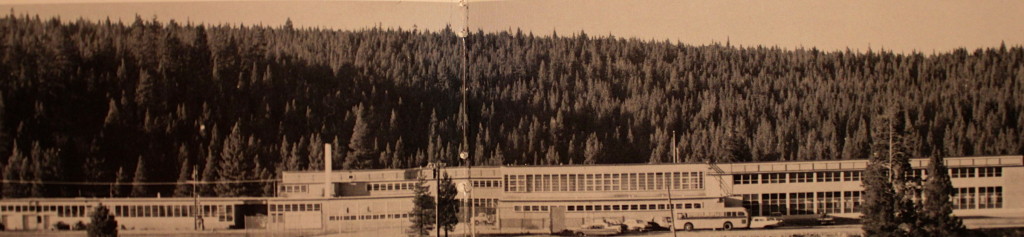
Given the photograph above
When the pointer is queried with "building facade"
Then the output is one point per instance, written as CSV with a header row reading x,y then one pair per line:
x,y
537,199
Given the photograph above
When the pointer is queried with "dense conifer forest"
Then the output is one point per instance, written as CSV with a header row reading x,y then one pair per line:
x,y
146,101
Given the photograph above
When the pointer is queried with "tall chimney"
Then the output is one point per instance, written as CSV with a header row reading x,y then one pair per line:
x,y
328,187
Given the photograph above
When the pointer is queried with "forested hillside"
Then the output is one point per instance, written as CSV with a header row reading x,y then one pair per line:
x,y
146,101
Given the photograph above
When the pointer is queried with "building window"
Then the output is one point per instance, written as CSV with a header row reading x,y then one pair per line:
x,y
801,203
745,179
851,176
990,197
829,202
990,172
963,198
752,203
967,172
801,177
774,203
773,178
828,176
852,201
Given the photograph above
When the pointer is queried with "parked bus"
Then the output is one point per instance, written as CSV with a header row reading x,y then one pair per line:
x,y
724,218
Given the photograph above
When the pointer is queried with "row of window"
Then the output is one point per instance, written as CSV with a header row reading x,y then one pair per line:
x,y
798,177
222,212
975,172
294,188
390,186
622,207
487,183
294,207
62,211
369,217
977,197
803,203
604,182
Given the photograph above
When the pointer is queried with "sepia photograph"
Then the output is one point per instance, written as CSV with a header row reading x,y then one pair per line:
x,y
468,118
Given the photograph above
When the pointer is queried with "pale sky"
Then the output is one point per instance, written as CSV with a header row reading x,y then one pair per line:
x,y
901,26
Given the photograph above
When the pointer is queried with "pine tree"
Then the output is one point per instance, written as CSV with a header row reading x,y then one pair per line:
x,y
879,209
552,156
316,153
13,171
889,207
211,169
138,189
102,223
184,189
593,150
236,164
448,204
117,190
422,215
361,152
937,217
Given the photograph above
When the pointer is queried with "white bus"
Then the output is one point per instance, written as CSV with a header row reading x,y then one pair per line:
x,y
725,218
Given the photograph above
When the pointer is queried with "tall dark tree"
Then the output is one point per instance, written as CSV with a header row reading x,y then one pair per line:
x,y
120,178
185,174
139,189
888,203
593,151
361,152
236,165
13,171
937,217
448,204
101,223
422,215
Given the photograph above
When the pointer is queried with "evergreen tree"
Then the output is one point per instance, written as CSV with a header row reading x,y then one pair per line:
x,y
937,217
117,190
422,215
185,174
236,164
102,223
888,203
879,208
593,150
211,170
139,189
316,153
361,152
448,204
13,171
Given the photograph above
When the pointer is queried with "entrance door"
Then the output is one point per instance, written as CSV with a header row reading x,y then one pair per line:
x,y
31,222
557,219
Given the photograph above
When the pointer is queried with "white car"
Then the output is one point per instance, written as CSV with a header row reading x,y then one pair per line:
x,y
596,229
764,222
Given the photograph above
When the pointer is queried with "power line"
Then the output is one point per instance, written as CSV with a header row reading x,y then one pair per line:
x,y
6,181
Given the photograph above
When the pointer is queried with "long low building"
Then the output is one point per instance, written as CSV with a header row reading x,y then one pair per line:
x,y
537,199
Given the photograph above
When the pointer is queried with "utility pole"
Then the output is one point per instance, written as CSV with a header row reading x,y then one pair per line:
x,y
671,206
465,123
437,202
195,198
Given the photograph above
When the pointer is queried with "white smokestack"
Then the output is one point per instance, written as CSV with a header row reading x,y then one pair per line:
x,y
328,187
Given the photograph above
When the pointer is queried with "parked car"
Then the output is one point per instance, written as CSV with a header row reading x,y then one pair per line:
x,y
483,219
765,222
825,219
596,229
637,225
